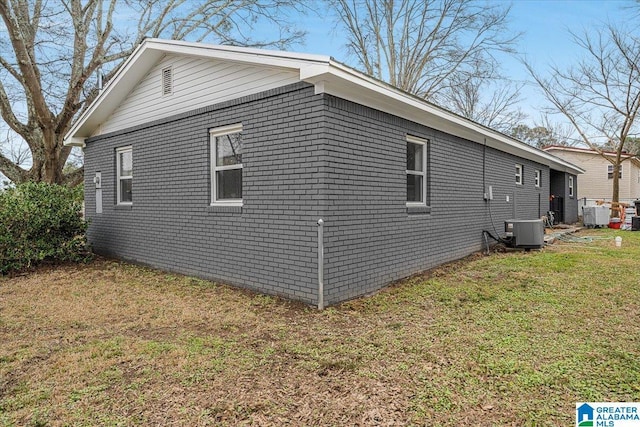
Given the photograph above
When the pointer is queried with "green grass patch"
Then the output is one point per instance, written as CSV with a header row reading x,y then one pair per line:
x,y
509,339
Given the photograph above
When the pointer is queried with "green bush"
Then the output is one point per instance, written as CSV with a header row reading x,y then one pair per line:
x,y
40,222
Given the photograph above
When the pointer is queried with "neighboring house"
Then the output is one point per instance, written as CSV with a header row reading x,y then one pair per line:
x,y
219,161
597,181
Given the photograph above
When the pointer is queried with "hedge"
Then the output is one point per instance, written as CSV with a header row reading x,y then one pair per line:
x,y
41,222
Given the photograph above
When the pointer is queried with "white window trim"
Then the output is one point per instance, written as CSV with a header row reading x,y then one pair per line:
x,y
119,151
610,171
570,186
213,133
538,178
423,173
519,170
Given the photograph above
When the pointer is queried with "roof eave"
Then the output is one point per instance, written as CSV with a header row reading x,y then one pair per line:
x,y
336,79
134,68
326,74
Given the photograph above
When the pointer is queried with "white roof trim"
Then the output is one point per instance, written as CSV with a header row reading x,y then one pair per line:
x,y
149,52
590,152
326,74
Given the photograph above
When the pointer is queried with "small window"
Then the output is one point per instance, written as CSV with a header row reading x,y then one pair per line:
x,y
538,178
167,81
570,186
226,161
610,172
518,174
124,165
416,171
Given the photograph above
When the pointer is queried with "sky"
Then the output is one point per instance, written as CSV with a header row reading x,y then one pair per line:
x,y
545,39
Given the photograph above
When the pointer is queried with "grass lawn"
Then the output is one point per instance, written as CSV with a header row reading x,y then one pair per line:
x,y
511,339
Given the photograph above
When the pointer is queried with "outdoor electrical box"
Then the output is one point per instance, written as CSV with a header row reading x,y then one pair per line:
x,y
525,233
97,180
488,195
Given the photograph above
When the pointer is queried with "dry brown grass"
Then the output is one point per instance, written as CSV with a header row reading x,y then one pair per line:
x,y
113,344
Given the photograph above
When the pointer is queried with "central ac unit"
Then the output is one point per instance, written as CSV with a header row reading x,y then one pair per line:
x,y
525,233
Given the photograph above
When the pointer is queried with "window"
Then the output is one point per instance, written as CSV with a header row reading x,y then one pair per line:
x,y
610,172
124,165
570,186
538,178
416,171
518,174
167,81
226,161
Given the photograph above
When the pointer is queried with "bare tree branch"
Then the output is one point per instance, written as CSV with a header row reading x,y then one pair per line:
x,y
11,170
600,94
431,47
75,177
55,49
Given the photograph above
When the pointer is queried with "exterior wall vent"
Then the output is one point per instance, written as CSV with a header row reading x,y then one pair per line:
x,y
167,81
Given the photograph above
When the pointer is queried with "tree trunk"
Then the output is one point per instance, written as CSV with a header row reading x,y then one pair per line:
x,y
49,160
615,196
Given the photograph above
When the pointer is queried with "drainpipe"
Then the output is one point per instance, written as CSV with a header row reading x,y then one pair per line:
x,y
320,264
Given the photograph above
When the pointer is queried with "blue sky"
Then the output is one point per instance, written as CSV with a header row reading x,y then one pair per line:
x,y
545,25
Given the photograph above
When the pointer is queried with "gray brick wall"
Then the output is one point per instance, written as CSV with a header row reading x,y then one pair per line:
x,y
306,157
269,244
371,237
560,187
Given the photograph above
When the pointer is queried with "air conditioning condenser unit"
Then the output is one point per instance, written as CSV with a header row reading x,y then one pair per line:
x,y
525,233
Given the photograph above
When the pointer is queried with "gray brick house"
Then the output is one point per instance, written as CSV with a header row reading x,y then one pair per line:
x,y
218,162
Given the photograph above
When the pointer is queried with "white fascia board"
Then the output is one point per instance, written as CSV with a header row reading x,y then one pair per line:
x,y
134,69
339,80
150,51
588,151
73,141
259,57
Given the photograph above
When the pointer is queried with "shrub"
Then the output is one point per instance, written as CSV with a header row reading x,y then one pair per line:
x,y
40,222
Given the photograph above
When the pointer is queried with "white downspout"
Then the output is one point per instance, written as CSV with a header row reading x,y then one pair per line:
x,y
320,264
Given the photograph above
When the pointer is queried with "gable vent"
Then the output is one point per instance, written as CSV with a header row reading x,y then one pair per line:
x,y
167,81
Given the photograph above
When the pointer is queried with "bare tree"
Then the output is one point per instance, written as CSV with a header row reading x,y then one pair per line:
x,y
51,52
484,98
538,136
631,146
429,47
544,133
15,149
600,94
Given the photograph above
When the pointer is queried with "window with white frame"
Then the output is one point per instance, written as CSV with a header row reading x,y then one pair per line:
x,y
416,171
226,165
518,174
570,186
538,178
610,172
124,166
